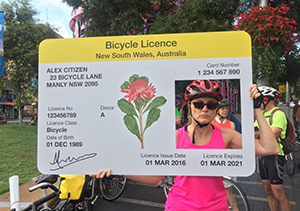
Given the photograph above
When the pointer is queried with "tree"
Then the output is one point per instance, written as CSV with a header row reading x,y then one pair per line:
x,y
293,13
123,17
22,39
274,40
119,17
198,16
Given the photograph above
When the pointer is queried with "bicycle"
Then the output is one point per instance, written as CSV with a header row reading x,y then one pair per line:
x,y
112,187
109,188
240,196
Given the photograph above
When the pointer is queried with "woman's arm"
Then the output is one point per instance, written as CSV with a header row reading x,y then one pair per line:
x,y
266,144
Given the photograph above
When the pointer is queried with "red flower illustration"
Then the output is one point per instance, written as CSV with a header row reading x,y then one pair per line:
x,y
139,88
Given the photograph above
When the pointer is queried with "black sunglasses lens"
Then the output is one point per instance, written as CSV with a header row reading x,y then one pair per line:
x,y
199,105
210,106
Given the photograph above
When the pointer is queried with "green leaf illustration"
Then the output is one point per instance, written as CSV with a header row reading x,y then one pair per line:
x,y
145,78
152,117
132,125
147,100
124,85
126,107
157,102
133,78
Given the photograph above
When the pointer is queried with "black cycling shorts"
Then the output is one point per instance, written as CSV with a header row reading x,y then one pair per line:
x,y
271,168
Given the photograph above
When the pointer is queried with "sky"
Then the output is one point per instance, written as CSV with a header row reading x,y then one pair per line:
x,y
56,13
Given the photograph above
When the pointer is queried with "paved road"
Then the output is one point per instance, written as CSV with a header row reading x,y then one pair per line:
x,y
142,197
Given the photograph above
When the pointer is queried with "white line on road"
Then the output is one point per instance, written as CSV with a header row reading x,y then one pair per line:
x,y
7,204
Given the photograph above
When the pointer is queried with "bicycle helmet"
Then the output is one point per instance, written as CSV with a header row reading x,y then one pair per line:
x,y
268,92
201,88
223,103
278,94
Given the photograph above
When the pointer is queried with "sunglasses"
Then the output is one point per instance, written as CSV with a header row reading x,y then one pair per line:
x,y
210,105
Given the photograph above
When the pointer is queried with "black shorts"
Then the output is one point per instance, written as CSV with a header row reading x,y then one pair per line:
x,y
271,168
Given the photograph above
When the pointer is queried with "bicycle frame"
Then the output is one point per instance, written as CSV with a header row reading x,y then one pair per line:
x,y
64,204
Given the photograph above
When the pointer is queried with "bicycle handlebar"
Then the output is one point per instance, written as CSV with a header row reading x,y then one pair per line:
x,y
41,201
44,185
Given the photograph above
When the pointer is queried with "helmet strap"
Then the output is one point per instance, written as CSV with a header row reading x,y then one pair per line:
x,y
265,104
222,118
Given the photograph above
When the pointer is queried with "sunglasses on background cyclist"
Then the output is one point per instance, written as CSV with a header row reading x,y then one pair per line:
x,y
201,104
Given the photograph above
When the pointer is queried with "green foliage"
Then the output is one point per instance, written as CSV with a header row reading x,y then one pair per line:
x,y
198,16
122,17
270,65
292,65
22,39
117,17
272,30
18,154
245,5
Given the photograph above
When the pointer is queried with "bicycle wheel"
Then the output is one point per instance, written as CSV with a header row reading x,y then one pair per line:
x,y
290,164
239,195
167,184
112,187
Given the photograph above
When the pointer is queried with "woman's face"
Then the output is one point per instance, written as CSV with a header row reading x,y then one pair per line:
x,y
224,111
204,109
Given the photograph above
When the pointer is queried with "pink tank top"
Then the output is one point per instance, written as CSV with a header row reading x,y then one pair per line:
x,y
191,193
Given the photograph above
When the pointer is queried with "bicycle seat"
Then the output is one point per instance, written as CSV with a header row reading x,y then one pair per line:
x,y
51,178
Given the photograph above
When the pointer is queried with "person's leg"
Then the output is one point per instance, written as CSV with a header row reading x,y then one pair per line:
x,y
277,183
264,175
273,203
279,195
231,200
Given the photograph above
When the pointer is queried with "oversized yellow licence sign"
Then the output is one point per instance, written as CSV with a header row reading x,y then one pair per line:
x,y
109,102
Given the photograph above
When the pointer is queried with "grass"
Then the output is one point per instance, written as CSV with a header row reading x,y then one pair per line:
x,y
18,154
